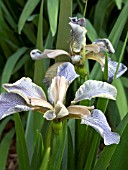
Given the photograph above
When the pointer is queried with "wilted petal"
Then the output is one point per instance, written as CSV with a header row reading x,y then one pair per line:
x,y
112,65
78,39
25,88
58,89
51,73
49,115
60,110
11,103
93,88
38,55
77,111
105,45
80,21
67,70
98,121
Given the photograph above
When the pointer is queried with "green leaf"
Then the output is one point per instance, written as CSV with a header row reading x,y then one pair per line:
x,y
10,64
58,146
38,152
34,123
91,32
3,124
105,157
63,36
121,99
99,15
119,159
21,144
39,65
4,148
27,10
45,161
121,55
119,26
52,8
118,3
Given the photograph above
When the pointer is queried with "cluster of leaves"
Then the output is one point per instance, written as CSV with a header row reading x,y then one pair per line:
x,y
44,24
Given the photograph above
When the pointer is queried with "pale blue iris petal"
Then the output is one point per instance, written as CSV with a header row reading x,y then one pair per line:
x,y
67,70
98,121
112,65
25,88
49,115
11,103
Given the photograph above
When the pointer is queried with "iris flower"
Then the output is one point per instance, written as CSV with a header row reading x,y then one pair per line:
x,y
24,95
79,49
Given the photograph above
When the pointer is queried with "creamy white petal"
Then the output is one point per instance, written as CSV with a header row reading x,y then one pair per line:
x,y
67,70
98,121
79,110
58,89
11,103
26,88
60,110
93,88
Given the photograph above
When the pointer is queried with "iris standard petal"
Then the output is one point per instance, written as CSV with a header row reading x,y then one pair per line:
x,y
51,73
93,88
57,89
11,103
98,121
26,88
67,70
38,55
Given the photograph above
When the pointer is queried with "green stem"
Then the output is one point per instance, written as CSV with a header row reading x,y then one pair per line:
x,y
85,8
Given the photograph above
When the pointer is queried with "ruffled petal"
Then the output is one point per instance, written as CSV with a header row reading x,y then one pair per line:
x,y
38,55
26,89
105,45
98,121
112,65
93,88
11,103
67,70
